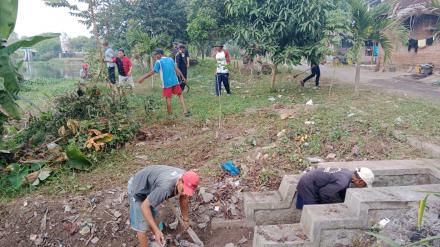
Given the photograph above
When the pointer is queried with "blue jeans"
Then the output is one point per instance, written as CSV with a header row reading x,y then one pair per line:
x,y
137,220
219,79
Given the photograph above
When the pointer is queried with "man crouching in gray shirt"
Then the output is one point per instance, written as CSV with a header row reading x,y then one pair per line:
x,y
151,186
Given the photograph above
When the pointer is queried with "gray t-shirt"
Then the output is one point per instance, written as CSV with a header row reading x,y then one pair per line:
x,y
109,54
157,183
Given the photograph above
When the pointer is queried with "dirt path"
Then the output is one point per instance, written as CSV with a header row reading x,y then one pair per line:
x,y
390,81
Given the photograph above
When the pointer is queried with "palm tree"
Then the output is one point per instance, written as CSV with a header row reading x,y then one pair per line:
x,y
372,24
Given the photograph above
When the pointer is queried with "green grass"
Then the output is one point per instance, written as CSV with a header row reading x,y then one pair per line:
x,y
342,123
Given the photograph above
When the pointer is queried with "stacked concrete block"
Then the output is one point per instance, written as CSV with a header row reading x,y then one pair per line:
x,y
273,207
397,189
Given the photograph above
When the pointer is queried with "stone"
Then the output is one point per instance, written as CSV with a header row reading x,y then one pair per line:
x,y
310,102
272,99
232,209
206,196
242,240
84,230
314,160
33,237
229,245
94,240
202,225
117,214
67,208
173,226
331,156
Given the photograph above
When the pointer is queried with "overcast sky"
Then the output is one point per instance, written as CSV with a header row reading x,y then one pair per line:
x,y
34,17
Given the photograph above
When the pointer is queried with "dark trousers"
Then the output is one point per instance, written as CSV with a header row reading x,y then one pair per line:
x,y
299,201
219,79
315,72
111,75
185,74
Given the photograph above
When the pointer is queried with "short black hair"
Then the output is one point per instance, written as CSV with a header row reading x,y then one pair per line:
x,y
122,50
158,51
182,47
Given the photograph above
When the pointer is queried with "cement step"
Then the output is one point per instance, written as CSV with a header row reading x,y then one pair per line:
x,y
314,218
273,207
287,235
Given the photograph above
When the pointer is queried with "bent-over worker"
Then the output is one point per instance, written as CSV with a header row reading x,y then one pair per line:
x,y
151,186
329,185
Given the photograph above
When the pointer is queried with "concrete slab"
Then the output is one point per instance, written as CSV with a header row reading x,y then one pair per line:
x,y
287,235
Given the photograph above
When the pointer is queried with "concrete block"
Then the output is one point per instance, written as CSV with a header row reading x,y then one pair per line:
x,y
288,235
314,218
287,187
279,216
429,148
260,200
344,237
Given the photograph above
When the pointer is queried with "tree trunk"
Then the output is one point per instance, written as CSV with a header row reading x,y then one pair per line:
x,y
99,55
274,75
202,48
357,78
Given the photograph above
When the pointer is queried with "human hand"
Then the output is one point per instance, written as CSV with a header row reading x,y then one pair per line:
x,y
139,80
185,225
160,239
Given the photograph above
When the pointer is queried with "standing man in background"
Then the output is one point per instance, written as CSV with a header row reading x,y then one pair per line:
x,y
125,67
182,62
109,55
222,72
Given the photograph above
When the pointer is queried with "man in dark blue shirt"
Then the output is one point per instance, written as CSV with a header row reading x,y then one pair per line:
x,y
328,185
182,63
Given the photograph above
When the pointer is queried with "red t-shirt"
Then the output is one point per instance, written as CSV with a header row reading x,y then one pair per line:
x,y
123,64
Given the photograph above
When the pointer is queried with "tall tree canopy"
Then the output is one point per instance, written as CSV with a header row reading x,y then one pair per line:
x,y
284,30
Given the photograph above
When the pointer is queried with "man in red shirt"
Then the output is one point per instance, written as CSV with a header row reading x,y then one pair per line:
x,y
124,69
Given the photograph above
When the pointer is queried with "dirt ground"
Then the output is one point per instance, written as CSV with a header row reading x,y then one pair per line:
x,y
393,82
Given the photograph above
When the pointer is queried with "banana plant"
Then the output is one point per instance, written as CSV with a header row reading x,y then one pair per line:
x,y
10,79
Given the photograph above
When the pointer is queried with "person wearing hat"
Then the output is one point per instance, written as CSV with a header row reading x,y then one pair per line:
x,y
149,188
182,61
168,73
329,185
222,73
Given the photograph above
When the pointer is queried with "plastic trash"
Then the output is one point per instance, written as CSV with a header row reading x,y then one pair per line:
x,y
231,168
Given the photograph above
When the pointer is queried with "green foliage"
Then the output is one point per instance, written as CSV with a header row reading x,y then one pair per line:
x,y
8,71
201,29
48,49
17,175
77,160
421,212
82,44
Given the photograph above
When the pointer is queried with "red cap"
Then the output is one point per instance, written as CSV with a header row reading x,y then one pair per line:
x,y
190,182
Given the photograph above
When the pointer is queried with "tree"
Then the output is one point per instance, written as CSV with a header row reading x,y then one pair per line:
x,y
201,29
284,30
82,44
372,24
88,16
48,49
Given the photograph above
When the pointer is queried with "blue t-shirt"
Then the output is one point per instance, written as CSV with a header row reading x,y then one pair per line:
x,y
166,67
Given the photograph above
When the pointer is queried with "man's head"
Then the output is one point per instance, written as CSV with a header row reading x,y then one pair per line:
x,y
188,183
363,177
157,53
218,47
105,44
182,48
121,53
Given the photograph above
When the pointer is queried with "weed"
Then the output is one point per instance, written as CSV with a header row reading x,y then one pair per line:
x,y
266,175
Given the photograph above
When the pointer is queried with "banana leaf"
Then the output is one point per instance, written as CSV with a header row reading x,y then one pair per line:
x,y
28,42
77,160
8,16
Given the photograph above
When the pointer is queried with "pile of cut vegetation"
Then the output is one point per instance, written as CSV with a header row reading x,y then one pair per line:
x,y
74,135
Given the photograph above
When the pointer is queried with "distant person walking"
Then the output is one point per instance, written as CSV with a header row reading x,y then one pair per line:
x,y
109,55
182,61
222,73
168,73
125,67
316,72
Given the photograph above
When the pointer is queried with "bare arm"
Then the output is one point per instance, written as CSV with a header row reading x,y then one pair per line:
x,y
148,215
184,207
179,73
144,77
